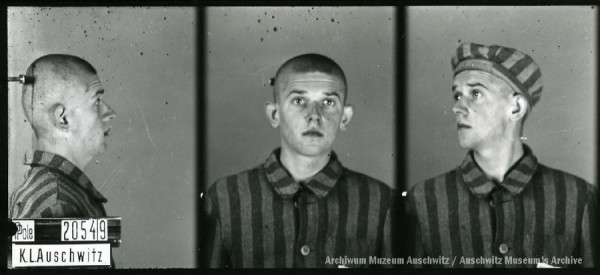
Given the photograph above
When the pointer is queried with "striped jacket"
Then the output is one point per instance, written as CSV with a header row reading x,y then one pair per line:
x,y
55,188
262,218
537,213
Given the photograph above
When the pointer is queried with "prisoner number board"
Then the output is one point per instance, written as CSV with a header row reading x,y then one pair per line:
x,y
84,230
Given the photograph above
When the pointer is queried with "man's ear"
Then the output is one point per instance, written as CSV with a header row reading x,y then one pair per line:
x,y
59,117
272,112
518,107
346,117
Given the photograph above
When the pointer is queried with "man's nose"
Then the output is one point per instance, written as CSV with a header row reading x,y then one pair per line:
x,y
314,113
459,107
107,113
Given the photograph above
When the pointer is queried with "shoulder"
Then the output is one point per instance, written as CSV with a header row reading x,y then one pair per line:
x,y
39,193
41,175
419,189
351,177
564,180
41,182
360,188
225,184
231,188
72,194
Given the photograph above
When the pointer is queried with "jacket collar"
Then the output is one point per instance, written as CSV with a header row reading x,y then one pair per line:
x,y
285,185
515,180
68,169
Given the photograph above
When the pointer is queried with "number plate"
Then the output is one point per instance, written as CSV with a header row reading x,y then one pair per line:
x,y
84,230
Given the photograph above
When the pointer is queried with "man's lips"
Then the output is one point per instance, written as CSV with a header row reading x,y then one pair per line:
x,y
461,125
312,133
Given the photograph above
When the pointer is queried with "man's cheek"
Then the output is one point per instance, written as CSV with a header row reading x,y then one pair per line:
x,y
332,117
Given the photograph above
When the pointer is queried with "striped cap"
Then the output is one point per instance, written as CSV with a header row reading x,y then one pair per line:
x,y
516,68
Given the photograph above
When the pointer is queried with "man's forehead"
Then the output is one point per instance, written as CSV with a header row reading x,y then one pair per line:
x,y
300,78
471,76
475,78
87,84
93,83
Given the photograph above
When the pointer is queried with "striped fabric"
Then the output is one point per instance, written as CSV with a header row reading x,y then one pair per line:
x,y
519,70
55,188
535,212
262,218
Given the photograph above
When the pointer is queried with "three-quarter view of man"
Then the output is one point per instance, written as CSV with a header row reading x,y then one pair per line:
x,y
501,202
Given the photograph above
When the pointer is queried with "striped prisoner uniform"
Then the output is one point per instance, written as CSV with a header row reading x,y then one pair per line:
x,y
263,218
535,211
55,188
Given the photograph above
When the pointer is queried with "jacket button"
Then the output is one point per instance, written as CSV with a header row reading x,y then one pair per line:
x,y
503,248
491,203
305,250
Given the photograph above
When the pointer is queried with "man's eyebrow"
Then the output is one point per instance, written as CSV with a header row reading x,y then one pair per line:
x,y
334,93
476,84
296,91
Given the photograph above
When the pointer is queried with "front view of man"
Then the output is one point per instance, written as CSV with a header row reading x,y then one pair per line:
x,y
301,208
501,207
65,108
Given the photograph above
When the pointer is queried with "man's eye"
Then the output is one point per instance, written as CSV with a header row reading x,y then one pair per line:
x,y
298,101
329,102
456,97
475,93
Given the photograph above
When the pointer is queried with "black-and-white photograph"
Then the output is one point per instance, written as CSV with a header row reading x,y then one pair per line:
x,y
501,136
300,135
104,125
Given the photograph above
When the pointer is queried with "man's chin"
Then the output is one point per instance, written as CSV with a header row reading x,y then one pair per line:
x,y
464,140
469,145
313,150
465,144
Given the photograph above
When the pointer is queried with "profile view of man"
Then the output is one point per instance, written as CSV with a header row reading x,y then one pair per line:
x,y
65,108
301,207
501,207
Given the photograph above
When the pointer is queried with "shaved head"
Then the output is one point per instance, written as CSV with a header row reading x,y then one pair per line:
x,y
55,77
307,63
65,108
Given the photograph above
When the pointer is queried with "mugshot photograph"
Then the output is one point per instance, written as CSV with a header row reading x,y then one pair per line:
x,y
300,138
505,177
101,129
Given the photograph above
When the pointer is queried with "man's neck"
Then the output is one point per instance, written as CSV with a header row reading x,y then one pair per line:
x,y
63,151
303,167
496,160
